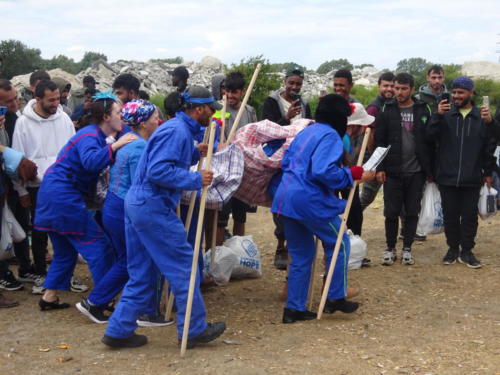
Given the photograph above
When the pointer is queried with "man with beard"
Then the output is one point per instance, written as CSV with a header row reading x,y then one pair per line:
x,y
64,89
401,125
431,92
126,87
283,106
41,131
465,147
155,235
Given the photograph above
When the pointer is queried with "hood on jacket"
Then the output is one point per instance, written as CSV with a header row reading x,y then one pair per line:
x,y
426,90
216,81
30,113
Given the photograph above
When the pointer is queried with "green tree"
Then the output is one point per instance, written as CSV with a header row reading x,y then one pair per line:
x,y
451,71
328,66
265,83
413,65
169,60
17,58
282,67
89,58
63,62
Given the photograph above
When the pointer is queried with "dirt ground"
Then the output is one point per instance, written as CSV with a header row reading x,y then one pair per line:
x,y
423,319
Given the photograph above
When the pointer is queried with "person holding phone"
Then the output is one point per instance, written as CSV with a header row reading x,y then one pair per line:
x,y
283,106
464,145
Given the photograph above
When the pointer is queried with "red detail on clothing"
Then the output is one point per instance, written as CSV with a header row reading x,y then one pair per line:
x,y
357,172
353,108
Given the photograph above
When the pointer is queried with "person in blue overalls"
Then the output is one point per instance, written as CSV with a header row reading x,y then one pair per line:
x,y
142,117
305,199
155,236
61,207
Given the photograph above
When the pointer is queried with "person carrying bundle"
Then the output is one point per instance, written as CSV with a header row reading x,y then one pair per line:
x,y
306,202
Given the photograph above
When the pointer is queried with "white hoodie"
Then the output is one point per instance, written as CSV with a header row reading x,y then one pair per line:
x,y
40,139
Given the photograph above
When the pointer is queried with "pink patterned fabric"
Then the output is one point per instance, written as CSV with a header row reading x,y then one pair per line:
x,y
260,168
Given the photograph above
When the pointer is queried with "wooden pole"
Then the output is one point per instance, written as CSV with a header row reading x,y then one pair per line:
x,y
223,119
343,228
199,228
312,282
243,104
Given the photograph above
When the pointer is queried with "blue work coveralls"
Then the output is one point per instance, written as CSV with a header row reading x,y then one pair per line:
x,y
306,201
155,236
61,209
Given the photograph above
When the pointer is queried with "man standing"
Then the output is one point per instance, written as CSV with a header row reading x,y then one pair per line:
x,y
180,76
465,160
401,125
78,96
385,92
235,90
431,92
28,93
64,90
282,107
342,84
39,134
155,235
126,87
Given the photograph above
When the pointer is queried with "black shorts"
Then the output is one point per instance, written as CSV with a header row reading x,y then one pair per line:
x,y
236,207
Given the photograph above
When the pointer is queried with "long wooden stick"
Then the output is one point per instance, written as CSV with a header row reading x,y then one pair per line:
x,y
199,228
312,282
192,199
343,228
223,119
243,104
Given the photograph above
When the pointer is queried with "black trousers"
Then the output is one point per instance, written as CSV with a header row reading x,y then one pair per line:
x,y
39,239
460,215
402,192
355,218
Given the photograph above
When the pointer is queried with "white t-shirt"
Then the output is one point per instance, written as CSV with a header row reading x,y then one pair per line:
x,y
286,106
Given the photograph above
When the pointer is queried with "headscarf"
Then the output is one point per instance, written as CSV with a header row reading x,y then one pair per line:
x,y
137,111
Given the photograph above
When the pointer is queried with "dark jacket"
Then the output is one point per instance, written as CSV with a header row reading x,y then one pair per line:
x,y
273,111
389,132
374,108
426,95
465,148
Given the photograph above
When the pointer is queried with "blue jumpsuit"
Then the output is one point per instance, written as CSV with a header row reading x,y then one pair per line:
x,y
61,208
305,198
155,236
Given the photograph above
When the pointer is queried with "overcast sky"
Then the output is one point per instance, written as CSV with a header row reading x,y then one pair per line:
x,y
307,32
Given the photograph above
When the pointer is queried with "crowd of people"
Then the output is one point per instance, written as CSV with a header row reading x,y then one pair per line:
x,y
101,174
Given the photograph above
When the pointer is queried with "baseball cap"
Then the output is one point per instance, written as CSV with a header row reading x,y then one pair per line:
x,y
90,79
180,72
200,95
294,70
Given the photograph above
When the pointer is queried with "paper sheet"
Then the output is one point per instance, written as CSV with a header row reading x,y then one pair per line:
x,y
377,156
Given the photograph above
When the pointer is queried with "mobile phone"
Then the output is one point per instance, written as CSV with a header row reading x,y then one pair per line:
x,y
486,101
446,96
3,110
296,97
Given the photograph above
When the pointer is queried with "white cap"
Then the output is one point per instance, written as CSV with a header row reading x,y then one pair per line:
x,y
360,116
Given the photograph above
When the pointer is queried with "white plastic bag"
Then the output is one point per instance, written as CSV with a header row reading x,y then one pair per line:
x,y
224,263
430,220
487,202
249,264
359,250
6,246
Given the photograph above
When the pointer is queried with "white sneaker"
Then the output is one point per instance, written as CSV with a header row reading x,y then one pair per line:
x,y
389,257
37,287
28,277
407,258
77,286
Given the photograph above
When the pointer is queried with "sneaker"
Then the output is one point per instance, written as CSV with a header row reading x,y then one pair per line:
x,y
94,313
292,315
389,257
77,286
210,333
406,257
341,304
28,277
153,321
37,287
467,258
281,259
451,256
9,282
133,341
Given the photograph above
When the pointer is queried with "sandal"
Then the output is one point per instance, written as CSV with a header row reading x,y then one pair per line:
x,y
44,305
